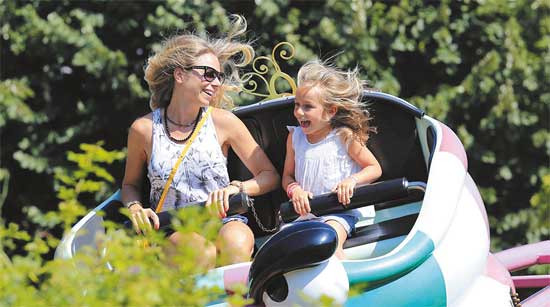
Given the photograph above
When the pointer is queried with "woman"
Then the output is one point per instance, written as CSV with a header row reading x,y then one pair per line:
x,y
185,77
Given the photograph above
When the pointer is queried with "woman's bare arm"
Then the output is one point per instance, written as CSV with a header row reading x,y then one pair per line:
x,y
251,154
136,160
233,133
139,143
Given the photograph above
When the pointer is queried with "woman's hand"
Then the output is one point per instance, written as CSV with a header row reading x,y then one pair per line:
x,y
300,201
344,190
219,199
140,218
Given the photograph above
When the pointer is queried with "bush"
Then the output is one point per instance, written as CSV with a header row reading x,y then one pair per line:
x,y
124,269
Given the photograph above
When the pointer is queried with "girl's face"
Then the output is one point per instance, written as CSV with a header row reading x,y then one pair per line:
x,y
310,112
201,81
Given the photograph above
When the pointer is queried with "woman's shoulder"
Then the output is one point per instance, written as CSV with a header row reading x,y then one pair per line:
x,y
224,118
143,125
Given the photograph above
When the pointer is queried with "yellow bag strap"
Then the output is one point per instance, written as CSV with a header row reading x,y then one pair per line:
x,y
182,155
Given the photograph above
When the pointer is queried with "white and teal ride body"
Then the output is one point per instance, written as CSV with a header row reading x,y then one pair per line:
x,y
442,261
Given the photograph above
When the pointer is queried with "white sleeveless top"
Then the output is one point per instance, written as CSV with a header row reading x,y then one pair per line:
x,y
319,167
203,169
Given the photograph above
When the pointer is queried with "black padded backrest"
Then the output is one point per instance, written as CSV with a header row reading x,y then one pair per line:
x,y
395,145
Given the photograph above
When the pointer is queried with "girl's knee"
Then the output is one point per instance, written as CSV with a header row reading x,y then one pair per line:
x,y
340,230
342,236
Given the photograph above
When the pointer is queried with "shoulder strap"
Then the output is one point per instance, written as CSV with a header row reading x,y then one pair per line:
x,y
178,162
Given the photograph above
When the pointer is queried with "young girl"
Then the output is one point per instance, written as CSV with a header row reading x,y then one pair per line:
x,y
327,153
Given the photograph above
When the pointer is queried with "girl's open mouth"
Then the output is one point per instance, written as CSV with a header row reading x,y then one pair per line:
x,y
304,123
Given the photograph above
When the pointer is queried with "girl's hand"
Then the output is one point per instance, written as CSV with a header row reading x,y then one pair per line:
x,y
140,218
344,190
219,200
300,201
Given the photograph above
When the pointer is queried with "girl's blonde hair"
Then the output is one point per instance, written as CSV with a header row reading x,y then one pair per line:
x,y
182,51
343,90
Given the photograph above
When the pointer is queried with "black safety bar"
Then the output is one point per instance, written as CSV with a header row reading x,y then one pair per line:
x,y
364,195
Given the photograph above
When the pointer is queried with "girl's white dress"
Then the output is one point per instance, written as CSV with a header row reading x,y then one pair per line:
x,y
319,167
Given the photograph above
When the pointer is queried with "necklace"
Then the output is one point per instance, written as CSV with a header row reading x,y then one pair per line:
x,y
175,123
173,139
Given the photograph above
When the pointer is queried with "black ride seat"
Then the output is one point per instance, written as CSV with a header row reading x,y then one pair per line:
x,y
395,144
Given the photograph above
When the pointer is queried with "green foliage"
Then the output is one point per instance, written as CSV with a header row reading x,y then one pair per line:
x,y
4,180
120,269
13,94
121,272
90,177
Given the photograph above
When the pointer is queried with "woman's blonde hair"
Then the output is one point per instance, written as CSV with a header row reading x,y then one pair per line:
x,y
343,90
182,51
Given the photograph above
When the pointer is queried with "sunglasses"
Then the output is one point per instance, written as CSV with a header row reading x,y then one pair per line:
x,y
209,74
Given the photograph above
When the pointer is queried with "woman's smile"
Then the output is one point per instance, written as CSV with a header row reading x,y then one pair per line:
x,y
197,83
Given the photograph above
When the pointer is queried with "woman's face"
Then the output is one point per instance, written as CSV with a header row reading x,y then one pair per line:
x,y
195,85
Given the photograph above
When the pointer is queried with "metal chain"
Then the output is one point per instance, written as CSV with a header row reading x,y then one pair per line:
x,y
250,203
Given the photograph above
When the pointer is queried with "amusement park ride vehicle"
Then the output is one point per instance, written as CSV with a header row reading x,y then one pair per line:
x,y
428,244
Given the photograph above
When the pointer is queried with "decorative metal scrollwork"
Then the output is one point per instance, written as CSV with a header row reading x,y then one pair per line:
x,y
260,73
